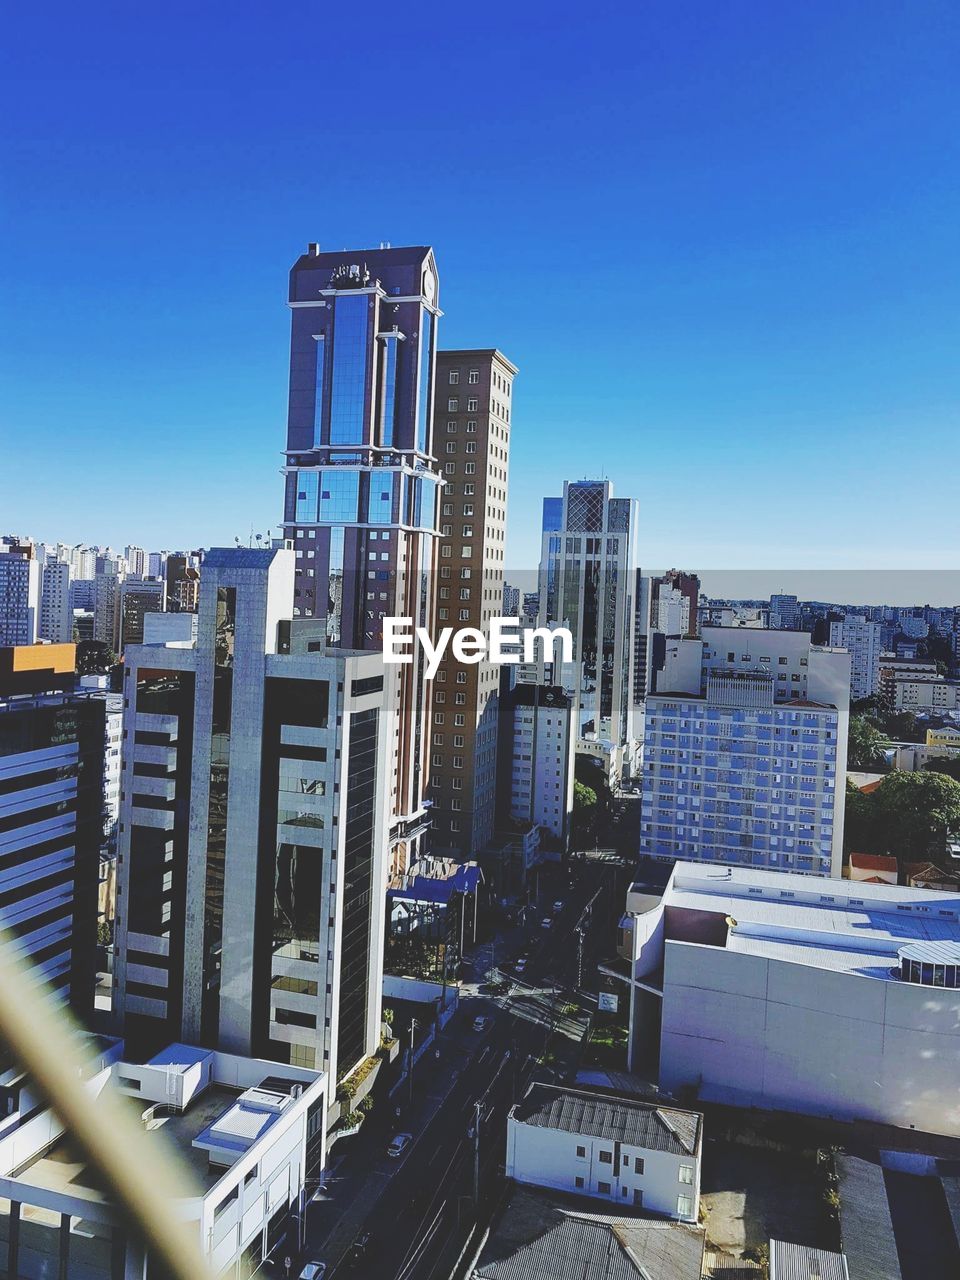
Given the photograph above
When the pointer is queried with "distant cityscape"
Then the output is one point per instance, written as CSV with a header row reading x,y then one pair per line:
x,y
471,975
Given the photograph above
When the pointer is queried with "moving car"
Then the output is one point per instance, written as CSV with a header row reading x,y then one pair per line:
x,y
313,1271
558,906
521,964
546,923
480,1023
399,1144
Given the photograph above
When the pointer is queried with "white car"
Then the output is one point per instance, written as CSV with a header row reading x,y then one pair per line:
x,y
399,1145
480,1023
314,1271
558,906
546,923
520,965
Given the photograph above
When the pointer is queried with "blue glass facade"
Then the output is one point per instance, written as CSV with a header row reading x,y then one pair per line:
x,y
426,379
339,496
319,397
380,501
349,368
389,413
307,491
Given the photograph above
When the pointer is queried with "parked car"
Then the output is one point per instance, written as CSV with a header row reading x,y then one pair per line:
x,y
558,906
546,923
520,964
314,1271
480,1023
399,1144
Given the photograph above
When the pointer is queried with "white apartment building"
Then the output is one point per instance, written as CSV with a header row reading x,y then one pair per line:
x,y
136,559
861,638
777,991
635,1154
56,616
541,782
251,1133
924,696
745,751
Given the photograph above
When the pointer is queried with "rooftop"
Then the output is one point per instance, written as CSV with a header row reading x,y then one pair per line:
x,y
598,1115
846,926
551,1237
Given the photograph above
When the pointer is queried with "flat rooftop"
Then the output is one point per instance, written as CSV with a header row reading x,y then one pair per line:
x,y
846,926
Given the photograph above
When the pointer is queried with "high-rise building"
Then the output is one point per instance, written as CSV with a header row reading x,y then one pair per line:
x,y
361,477
136,559
157,564
19,592
254,829
106,608
182,575
861,639
675,599
745,751
138,596
511,601
471,433
541,778
51,770
56,618
588,581
784,613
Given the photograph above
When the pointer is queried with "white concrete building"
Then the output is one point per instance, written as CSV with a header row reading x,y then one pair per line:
x,y
56,617
861,638
257,765
250,1133
745,748
924,696
778,991
617,1149
541,783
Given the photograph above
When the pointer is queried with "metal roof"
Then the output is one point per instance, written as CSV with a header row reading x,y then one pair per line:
x,y
866,1227
800,1262
597,1115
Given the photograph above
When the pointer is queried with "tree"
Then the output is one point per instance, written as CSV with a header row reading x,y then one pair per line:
x,y
584,812
866,744
903,726
859,823
94,658
914,813
948,765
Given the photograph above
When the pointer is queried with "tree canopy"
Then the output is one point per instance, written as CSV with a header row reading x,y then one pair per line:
x,y
909,816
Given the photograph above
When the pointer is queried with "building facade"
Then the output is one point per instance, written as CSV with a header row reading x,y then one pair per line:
x,y
542,759
56,619
254,830
862,640
19,592
607,1147
471,432
745,752
362,478
588,580
138,596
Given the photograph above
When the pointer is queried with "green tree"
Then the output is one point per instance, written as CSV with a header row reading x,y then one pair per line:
x,y
865,745
584,813
859,824
903,726
948,765
94,658
914,812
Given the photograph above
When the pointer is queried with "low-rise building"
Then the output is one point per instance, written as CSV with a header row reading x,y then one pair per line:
x,y
874,868
249,1134
777,991
608,1147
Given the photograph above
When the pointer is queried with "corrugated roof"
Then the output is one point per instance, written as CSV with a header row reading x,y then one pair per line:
x,y
866,1227
539,1237
596,1115
800,1262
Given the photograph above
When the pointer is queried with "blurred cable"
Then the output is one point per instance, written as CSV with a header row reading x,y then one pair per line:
x,y
145,1180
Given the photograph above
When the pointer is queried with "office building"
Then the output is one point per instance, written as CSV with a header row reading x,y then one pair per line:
x,y
784,613
56,617
607,1147
861,638
51,770
542,759
19,592
471,432
511,601
157,564
773,990
745,752
249,1132
588,581
360,505
254,830
136,559
106,608
138,596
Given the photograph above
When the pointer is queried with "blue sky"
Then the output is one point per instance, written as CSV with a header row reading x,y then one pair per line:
x,y
720,241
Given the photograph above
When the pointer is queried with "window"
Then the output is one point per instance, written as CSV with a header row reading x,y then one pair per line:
x,y
686,1174
471,426
453,406
451,446
471,446
604,1188
638,1164
454,377
684,1206
473,376
606,1157
581,1152
578,1182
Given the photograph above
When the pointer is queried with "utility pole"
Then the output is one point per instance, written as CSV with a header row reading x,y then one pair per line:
x,y
413,1028
476,1153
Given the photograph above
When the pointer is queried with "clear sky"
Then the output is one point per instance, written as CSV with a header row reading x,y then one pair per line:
x,y
719,239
